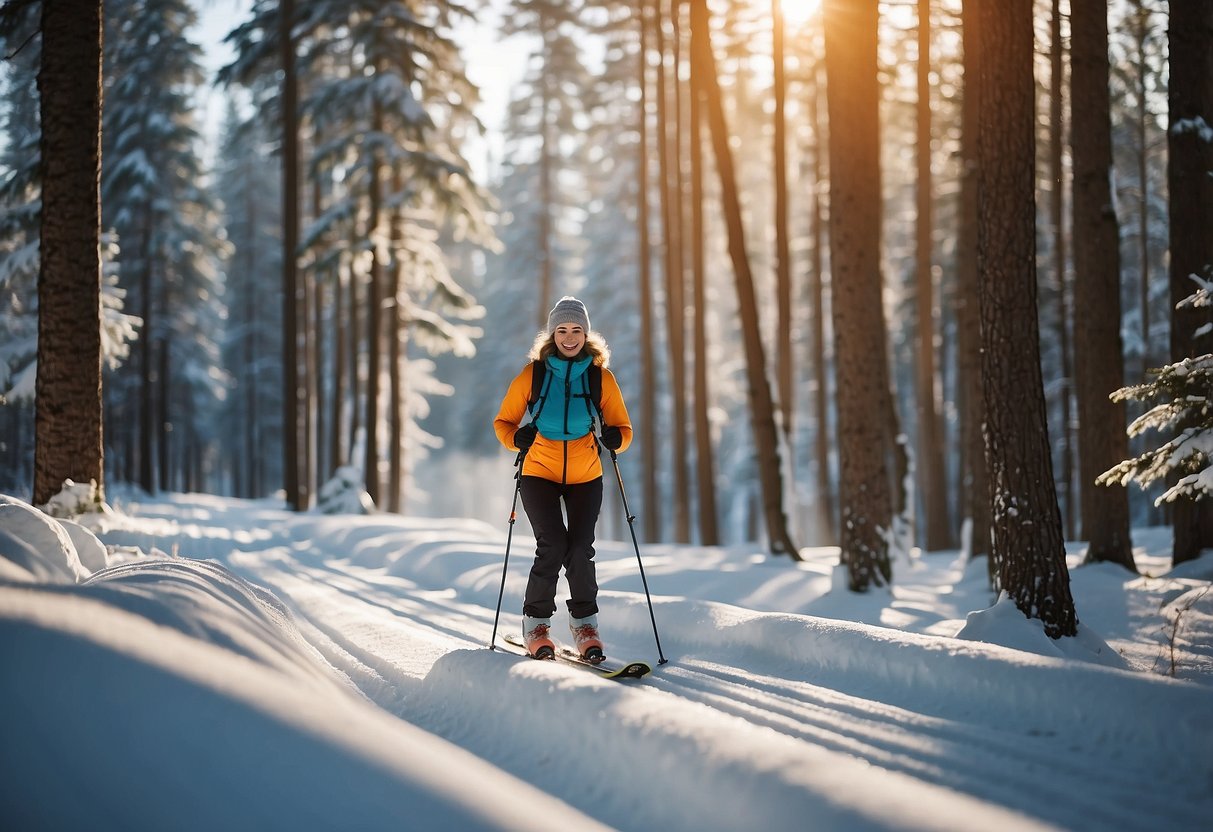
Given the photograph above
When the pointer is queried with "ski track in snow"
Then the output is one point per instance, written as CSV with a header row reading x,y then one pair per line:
x,y
408,614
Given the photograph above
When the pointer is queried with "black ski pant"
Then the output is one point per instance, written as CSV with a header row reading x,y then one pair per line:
x,y
558,545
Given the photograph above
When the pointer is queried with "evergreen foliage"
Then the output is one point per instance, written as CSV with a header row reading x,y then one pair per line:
x,y
1180,396
154,197
386,106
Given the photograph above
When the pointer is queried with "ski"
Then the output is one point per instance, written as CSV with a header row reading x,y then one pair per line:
x,y
607,668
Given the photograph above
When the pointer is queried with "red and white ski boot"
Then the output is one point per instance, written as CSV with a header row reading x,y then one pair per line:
x,y
536,638
585,638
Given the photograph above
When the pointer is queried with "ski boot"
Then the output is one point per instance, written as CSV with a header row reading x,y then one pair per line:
x,y
585,638
535,636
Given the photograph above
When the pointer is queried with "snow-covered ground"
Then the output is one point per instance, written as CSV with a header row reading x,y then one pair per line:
x,y
222,664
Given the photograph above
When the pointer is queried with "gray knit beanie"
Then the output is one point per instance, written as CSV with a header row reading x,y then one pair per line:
x,y
568,310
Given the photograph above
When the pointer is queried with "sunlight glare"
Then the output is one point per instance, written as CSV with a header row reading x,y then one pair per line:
x,y
797,13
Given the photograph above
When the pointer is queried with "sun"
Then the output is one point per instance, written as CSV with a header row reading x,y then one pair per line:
x,y
797,13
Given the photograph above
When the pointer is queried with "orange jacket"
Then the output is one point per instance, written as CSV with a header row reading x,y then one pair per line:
x,y
565,461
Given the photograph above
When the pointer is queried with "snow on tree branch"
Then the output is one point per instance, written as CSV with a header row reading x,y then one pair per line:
x,y
1183,391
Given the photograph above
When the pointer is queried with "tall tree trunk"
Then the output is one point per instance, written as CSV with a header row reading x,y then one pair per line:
x,y
826,515
374,319
762,411
932,472
290,267
308,302
68,441
648,407
859,328
164,425
668,160
705,468
784,364
338,456
147,370
251,358
1098,352
1028,544
1141,28
321,464
1069,495
1190,180
396,333
975,484
356,399
682,482
318,404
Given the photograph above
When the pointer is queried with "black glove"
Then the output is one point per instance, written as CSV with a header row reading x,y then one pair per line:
x,y
612,437
524,437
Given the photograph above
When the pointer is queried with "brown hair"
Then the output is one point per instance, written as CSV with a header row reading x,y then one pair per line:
x,y
595,346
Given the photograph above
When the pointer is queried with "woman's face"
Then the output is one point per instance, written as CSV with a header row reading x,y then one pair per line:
x,y
569,339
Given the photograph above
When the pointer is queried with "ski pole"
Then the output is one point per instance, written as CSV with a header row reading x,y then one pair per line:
x,y
508,540
631,518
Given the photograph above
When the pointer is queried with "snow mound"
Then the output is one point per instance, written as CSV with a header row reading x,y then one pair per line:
x,y
205,601
91,551
344,494
35,547
76,498
1004,624
126,724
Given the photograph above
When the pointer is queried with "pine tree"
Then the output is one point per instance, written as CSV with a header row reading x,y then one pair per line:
x,y
667,140
1027,546
975,492
1098,351
933,476
1190,189
859,326
68,436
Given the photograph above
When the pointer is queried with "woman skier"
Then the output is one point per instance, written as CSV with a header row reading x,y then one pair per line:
x,y
561,462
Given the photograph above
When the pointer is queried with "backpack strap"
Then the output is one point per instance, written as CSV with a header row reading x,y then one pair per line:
x,y
592,384
594,388
540,383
